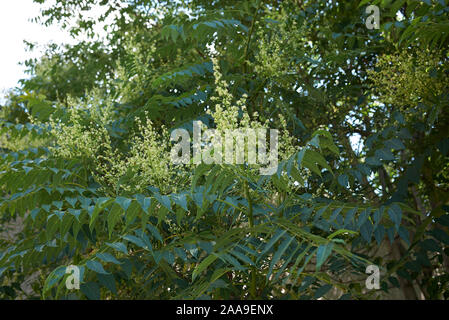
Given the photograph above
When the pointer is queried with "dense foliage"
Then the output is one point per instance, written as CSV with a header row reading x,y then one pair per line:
x,y
363,175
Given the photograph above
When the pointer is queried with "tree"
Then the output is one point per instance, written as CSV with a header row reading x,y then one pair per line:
x,y
363,153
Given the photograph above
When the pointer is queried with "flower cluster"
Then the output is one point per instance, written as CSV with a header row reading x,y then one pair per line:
x,y
273,59
230,116
146,164
84,135
144,161
407,78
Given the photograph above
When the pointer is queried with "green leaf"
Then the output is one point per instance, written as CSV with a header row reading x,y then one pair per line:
x,y
279,233
76,213
99,207
278,254
242,257
119,246
164,200
384,154
123,202
113,217
132,213
91,290
137,241
54,277
72,201
323,253
34,213
145,202
349,217
430,245
321,291
108,281
440,235
95,266
443,220
395,214
366,230
379,234
343,180
181,200
341,231
395,144
203,265
154,232
106,257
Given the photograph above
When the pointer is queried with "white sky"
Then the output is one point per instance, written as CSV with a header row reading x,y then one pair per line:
x,y
16,26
